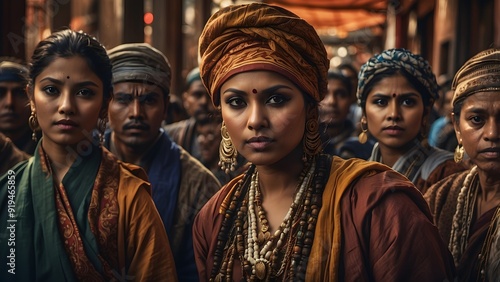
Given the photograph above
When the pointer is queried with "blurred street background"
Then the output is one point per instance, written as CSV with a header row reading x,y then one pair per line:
x,y
445,32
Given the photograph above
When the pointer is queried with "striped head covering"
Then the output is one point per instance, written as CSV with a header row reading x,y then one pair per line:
x,y
400,59
259,36
479,73
142,63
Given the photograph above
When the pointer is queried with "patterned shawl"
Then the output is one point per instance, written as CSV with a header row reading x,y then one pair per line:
x,y
69,231
419,162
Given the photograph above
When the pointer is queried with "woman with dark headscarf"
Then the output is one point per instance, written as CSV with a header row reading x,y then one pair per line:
x,y
297,214
466,205
396,91
73,212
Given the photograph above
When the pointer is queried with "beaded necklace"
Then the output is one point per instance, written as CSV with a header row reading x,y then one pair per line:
x,y
466,202
282,256
261,260
463,216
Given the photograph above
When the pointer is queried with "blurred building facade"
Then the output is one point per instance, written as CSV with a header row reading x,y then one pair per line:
x,y
446,32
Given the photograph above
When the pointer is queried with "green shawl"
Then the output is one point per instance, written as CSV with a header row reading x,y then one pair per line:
x,y
29,229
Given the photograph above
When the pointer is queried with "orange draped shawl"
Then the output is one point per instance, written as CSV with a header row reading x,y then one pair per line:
x,y
324,259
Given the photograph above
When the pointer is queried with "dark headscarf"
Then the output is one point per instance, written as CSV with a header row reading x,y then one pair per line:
x,y
400,59
479,73
259,36
11,71
140,62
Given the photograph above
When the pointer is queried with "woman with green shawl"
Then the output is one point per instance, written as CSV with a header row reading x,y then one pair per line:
x,y
73,211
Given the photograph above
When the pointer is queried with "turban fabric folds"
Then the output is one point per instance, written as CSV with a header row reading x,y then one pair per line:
x,y
259,36
11,71
142,63
399,59
479,73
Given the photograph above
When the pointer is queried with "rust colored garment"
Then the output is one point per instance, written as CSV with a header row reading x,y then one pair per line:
x,y
10,155
385,232
442,198
442,171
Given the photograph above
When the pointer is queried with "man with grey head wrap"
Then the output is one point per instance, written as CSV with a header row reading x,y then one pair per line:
x,y
180,184
14,104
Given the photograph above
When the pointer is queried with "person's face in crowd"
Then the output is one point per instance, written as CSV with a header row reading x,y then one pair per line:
x,y
265,115
394,112
209,138
14,107
478,130
197,101
67,98
136,113
334,108
353,77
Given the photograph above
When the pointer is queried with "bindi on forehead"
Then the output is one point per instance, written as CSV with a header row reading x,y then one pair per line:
x,y
67,77
394,95
254,91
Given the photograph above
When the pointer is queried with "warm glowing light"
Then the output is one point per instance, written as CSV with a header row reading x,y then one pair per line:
x,y
148,18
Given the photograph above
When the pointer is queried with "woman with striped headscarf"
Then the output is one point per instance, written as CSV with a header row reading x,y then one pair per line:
x,y
466,205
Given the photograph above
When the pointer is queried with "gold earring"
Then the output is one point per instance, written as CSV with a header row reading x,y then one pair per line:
x,y
227,152
363,137
33,123
311,139
459,153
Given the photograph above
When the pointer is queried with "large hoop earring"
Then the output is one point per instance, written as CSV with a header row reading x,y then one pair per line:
x,y
459,153
363,137
33,123
312,139
227,152
102,124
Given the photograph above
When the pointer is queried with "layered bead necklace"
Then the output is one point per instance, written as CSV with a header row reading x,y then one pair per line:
x,y
260,259
265,257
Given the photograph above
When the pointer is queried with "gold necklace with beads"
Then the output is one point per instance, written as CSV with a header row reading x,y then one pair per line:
x,y
261,258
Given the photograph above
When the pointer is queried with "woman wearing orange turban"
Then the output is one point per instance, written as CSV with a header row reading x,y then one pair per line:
x,y
298,214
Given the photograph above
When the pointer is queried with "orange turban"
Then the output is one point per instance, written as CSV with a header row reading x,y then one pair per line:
x,y
259,36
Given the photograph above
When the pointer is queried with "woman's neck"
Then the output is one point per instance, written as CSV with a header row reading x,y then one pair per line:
x,y
60,158
282,176
489,187
278,186
390,155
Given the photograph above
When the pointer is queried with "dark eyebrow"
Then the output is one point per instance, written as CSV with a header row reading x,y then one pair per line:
x,y
265,91
475,110
59,82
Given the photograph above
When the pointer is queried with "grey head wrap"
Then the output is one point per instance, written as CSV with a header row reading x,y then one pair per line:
x,y
11,71
140,62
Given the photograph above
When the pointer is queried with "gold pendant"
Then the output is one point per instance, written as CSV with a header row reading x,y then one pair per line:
x,y
261,269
